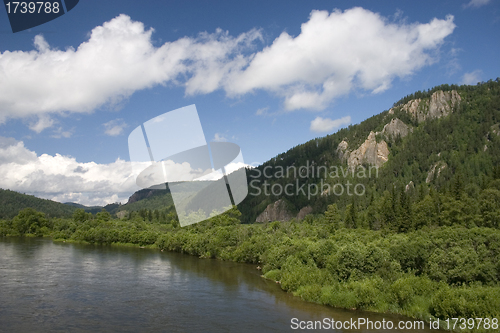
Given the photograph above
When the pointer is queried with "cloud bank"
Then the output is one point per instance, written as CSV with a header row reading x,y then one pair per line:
x,y
63,179
334,53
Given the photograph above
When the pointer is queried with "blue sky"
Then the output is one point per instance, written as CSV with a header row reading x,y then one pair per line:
x,y
266,75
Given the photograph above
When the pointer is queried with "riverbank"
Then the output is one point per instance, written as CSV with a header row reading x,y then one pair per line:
x,y
429,274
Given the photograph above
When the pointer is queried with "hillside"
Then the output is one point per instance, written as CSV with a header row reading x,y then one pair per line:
x,y
444,140
12,202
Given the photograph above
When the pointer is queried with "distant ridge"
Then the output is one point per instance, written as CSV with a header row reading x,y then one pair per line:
x,y
12,202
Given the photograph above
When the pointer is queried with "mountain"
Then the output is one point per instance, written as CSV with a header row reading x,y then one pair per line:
x,y
111,208
12,202
444,139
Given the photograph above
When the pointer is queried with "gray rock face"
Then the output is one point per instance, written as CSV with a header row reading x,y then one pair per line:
x,y
275,212
440,104
279,212
303,212
396,128
370,152
342,151
435,170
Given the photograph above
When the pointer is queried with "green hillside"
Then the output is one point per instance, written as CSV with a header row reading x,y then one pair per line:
x,y
447,166
12,202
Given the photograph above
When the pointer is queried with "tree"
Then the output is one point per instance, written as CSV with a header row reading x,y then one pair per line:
x,y
351,220
332,216
405,214
29,221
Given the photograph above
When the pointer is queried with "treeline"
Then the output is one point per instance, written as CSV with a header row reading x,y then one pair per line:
x,y
444,87
435,272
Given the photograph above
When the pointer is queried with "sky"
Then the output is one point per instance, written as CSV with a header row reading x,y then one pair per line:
x,y
265,75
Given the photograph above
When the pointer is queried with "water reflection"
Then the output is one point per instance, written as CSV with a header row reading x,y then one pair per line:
x,y
61,287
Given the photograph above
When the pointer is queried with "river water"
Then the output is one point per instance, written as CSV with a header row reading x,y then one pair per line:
x,y
60,287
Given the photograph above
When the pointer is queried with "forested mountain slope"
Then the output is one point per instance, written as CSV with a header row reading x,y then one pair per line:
x,y
438,157
12,202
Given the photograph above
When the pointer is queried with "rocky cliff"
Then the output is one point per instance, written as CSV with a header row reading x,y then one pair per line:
x,y
279,211
440,104
396,128
370,152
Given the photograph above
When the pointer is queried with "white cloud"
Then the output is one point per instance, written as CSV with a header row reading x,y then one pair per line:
x,y
476,3
337,52
472,77
43,122
334,53
117,60
219,137
62,178
320,125
114,127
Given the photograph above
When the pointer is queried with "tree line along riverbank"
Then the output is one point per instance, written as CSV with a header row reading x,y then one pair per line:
x,y
434,272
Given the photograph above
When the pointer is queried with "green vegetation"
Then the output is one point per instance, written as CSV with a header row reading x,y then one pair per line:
x,y
12,202
434,272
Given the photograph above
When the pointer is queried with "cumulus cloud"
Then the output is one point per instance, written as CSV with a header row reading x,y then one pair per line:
x,y
477,3
472,77
117,60
62,178
114,127
320,125
334,53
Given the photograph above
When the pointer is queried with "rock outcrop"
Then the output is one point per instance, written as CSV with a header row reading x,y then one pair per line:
x,y
440,104
342,151
396,128
410,186
303,212
495,129
370,152
141,194
277,211
435,171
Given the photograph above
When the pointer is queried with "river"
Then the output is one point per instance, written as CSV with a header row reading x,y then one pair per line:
x,y
60,287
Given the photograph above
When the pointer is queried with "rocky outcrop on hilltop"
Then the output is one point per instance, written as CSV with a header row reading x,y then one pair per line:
x,y
141,194
440,104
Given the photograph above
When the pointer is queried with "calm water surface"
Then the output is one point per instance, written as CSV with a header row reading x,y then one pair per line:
x,y
59,287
